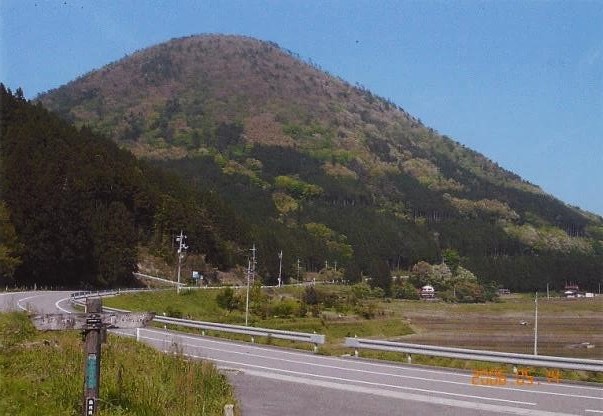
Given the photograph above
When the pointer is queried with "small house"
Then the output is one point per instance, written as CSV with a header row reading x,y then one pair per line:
x,y
427,292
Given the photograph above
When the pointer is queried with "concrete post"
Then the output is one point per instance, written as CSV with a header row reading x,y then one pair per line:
x,y
229,410
92,356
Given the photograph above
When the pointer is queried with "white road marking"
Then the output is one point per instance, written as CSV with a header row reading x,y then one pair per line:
x,y
525,390
27,298
448,373
409,396
58,302
341,379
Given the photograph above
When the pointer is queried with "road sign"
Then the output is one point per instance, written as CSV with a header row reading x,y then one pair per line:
x,y
83,321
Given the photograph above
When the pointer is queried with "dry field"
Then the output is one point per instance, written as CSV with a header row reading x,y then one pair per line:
x,y
563,325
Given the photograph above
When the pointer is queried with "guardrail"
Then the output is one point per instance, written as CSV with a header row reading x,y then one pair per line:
x,y
315,339
579,364
75,296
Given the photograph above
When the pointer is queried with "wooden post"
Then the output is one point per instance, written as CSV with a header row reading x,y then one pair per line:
x,y
94,324
229,410
92,355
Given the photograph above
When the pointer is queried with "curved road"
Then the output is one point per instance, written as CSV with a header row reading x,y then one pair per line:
x,y
272,381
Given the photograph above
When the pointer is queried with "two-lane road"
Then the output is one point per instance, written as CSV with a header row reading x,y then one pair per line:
x,y
36,302
272,381
278,379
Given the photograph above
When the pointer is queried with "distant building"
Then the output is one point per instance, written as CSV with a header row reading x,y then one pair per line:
x,y
571,290
427,292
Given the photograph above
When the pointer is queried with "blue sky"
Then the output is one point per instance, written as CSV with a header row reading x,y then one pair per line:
x,y
519,81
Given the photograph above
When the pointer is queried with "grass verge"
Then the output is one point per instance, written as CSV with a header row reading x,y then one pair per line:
x,y
41,373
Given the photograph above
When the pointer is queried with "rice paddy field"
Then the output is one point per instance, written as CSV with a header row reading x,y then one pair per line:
x,y
566,327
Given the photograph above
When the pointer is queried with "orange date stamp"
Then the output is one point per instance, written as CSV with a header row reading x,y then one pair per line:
x,y
498,377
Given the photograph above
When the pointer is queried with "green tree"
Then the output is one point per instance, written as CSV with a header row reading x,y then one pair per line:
x,y
452,259
420,274
114,241
361,291
469,292
310,296
9,246
405,290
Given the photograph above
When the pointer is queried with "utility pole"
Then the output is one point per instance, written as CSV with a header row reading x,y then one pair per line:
x,y
299,281
253,264
247,297
250,276
280,267
536,324
181,248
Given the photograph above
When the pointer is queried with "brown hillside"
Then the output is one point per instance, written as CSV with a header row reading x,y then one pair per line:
x,y
224,95
193,84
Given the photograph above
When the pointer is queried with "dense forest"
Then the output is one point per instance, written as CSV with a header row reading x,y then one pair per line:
x,y
240,143
75,208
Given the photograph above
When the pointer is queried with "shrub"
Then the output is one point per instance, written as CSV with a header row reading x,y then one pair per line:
x,y
361,291
226,299
367,310
405,291
285,308
173,312
310,296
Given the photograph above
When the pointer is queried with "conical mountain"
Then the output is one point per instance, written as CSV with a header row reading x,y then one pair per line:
x,y
300,152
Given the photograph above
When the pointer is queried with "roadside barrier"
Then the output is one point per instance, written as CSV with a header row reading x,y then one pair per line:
x,y
315,339
579,364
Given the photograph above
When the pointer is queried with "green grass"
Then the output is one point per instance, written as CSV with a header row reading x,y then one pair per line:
x,y
41,373
201,305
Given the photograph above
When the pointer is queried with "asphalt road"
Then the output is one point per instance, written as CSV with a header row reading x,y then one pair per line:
x,y
273,381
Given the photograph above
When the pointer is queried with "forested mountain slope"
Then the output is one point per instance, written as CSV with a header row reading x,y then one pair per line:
x,y
75,208
326,171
